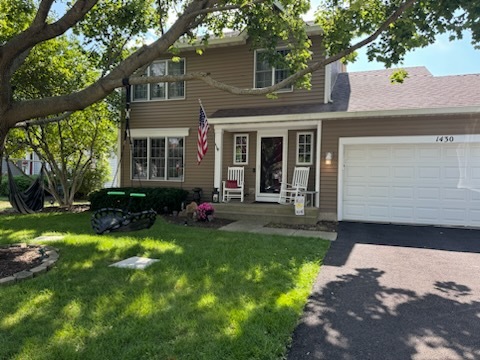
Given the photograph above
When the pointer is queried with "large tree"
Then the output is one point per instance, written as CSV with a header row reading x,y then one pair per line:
x,y
77,146
389,28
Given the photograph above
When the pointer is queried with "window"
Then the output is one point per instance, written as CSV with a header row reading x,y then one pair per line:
x,y
267,75
304,148
240,149
163,90
159,157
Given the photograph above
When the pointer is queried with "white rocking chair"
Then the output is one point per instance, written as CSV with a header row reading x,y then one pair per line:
x,y
233,187
299,184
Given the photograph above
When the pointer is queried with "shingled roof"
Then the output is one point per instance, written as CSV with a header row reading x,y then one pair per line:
x,y
370,91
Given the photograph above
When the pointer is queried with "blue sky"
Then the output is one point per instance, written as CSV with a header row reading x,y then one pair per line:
x,y
441,58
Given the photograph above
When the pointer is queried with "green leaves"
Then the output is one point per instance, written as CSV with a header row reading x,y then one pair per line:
x,y
346,22
15,16
398,76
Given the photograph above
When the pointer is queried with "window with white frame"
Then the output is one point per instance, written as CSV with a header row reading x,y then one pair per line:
x,y
304,148
163,90
268,75
240,149
158,158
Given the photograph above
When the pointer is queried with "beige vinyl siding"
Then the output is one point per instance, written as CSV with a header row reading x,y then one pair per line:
x,y
235,66
292,157
227,159
398,126
231,65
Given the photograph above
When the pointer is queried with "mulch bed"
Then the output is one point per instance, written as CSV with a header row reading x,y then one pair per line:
x,y
16,258
183,221
52,209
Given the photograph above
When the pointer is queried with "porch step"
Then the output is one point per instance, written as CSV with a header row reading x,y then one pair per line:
x,y
267,212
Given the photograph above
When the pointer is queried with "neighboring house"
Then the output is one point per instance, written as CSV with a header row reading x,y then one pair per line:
x,y
113,178
403,153
29,165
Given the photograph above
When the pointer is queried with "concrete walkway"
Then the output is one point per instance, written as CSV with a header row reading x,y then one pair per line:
x,y
258,227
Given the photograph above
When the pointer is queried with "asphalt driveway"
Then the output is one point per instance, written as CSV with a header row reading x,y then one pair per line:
x,y
394,292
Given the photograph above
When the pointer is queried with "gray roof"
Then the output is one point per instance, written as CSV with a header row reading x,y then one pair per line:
x,y
373,91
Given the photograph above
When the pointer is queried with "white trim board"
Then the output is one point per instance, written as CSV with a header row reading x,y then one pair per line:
x,y
345,115
159,132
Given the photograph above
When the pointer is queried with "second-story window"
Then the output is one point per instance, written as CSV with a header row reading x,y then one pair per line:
x,y
268,75
163,90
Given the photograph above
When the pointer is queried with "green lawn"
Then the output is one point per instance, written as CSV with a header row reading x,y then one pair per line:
x,y
4,204
212,295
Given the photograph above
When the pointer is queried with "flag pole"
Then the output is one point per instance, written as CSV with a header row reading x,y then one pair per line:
x,y
201,105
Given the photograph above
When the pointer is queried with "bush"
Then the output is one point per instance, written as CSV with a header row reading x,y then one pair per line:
x,y
158,199
93,180
22,182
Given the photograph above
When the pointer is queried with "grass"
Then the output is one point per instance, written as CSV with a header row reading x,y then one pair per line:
x,y
4,204
212,295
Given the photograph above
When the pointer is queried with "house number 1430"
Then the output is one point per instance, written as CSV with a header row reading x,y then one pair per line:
x,y
445,139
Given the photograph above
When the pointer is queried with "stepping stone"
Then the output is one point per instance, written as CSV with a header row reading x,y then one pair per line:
x,y
135,262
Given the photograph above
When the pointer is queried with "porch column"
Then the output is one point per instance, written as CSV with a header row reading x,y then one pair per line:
x,y
217,175
319,163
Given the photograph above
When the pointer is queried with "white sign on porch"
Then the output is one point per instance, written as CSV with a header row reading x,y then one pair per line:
x,y
299,205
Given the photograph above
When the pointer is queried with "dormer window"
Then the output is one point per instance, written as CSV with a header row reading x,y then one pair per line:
x,y
163,90
268,75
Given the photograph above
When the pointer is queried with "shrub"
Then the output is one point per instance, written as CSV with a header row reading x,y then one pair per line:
x,y
159,199
93,180
22,182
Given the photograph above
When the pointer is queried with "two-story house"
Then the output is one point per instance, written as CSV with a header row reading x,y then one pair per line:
x,y
403,153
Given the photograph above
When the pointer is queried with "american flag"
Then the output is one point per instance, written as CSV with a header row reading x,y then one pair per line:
x,y
202,135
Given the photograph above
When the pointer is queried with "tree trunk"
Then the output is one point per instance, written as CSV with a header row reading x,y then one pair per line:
x,y
3,136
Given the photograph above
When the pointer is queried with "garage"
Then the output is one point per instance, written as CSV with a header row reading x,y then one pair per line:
x,y
431,180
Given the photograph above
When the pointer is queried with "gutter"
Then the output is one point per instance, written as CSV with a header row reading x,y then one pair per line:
x,y
341,115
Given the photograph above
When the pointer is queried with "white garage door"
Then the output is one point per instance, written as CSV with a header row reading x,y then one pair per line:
x,y
437,184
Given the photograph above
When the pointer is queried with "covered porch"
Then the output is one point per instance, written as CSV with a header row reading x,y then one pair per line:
x,y
268,148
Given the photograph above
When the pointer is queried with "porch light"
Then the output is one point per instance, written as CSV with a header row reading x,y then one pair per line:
x,y
328,158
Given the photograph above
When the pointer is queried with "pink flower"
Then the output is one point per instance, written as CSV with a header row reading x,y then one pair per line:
x,y
203,210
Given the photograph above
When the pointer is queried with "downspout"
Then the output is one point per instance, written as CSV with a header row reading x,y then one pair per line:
x,y
318,157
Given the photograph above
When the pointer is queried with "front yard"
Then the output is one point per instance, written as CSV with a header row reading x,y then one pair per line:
x,y
212,295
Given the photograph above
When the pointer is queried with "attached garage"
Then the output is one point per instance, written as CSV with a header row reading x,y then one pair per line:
x,y
414,180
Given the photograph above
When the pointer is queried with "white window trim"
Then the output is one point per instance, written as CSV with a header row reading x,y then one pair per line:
x,y
235,162
158,133
287,90
148,99
298,146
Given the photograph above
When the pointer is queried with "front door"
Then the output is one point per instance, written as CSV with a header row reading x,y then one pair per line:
x,y
271,162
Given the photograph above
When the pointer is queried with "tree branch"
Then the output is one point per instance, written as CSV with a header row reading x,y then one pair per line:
x,y
146,54
225,8
39,31
42,13
26,124
313,67
391,19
